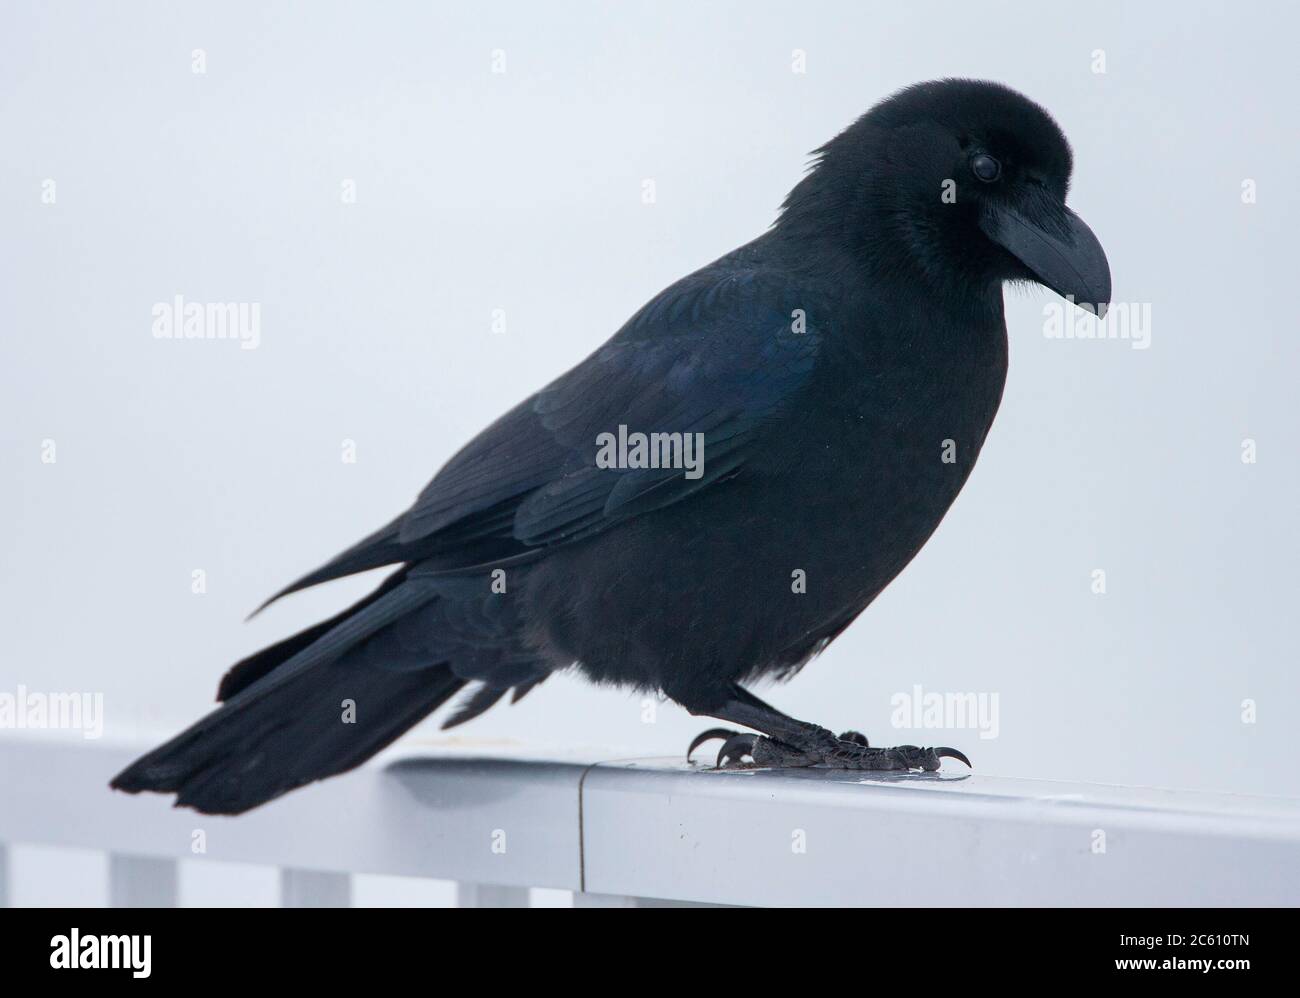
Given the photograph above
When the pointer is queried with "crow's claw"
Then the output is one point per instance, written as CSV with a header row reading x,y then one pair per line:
x,y
736,745
819,747
927,759
726,734
735,748
944,752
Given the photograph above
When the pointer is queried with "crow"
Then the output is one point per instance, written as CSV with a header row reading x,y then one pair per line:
x,y
838,376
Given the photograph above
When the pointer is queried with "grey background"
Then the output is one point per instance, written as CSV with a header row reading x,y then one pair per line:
x,y
522,191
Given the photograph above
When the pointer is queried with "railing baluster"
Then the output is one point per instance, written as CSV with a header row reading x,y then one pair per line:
x,y
315,889
586,899
141,882
491,896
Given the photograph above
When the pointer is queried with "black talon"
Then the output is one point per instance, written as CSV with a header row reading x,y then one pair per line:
x,y
735,748
726,734
944,752
853,752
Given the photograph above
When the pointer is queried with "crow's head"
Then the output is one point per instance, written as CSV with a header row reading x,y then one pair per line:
x,y
962,180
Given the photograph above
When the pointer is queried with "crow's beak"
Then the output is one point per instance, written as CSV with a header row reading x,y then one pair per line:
x,y
1058,247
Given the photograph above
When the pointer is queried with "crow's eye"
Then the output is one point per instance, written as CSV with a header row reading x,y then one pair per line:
x,y
986,168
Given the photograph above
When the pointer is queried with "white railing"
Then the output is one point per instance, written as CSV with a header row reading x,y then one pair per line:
x,y
627,833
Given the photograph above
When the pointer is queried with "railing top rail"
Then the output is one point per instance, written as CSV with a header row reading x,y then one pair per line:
x,y
659,828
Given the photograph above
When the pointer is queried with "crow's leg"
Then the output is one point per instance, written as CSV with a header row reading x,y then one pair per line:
x,y
793,743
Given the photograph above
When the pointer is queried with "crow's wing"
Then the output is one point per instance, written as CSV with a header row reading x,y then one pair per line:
x,y
719,353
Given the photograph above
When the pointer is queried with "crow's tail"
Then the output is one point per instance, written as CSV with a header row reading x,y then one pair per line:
x,y
312,706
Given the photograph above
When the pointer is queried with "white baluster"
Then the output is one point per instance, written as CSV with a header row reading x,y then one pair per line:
x,y
315,889
141,882
491,896
585,899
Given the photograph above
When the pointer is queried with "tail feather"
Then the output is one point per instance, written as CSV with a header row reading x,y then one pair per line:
x,y
482,699
234,760
249,670
319,712
383,547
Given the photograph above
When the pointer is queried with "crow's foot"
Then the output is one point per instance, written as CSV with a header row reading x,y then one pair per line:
x,y
818,747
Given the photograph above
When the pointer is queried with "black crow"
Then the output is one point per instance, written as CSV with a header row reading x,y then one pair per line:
x,y
714,494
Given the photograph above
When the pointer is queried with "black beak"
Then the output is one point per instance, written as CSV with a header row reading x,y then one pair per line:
x,y
1060,250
